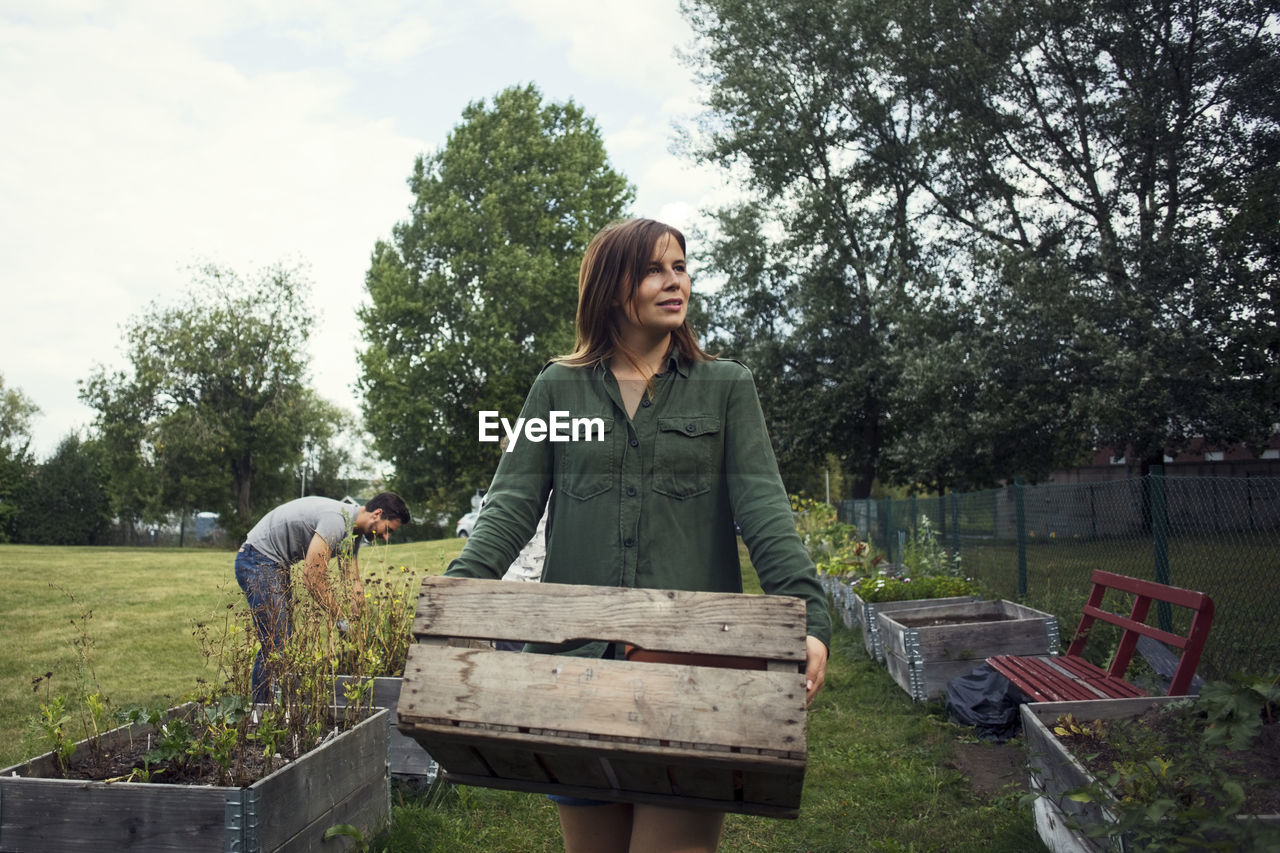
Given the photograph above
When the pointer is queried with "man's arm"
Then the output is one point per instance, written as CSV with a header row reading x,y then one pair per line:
x,y
315,576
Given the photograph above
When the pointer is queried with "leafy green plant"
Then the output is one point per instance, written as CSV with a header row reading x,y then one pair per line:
x,y
51,728
1235,710
1164,782
923,555
890,588
832,544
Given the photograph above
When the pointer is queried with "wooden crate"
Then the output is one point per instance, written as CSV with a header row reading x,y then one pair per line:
x,y
923,657
666,734
343,780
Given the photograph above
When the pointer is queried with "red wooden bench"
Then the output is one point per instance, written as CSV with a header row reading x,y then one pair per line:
x,y
1071,677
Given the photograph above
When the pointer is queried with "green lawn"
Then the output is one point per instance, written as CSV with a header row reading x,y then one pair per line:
x,y
143,605
879,776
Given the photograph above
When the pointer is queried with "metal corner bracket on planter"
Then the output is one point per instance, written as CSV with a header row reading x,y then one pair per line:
x,y
344,780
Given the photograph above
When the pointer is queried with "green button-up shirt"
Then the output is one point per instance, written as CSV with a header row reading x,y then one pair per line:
x,y
648,501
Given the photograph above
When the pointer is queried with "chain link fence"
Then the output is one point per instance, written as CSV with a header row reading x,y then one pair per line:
x,y
1039,544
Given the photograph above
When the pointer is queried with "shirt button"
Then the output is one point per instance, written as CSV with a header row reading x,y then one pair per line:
x,y
631,491
628,542
688,427
635,442
645,402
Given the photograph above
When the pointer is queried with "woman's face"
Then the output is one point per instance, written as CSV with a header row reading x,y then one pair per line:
x,y
660,302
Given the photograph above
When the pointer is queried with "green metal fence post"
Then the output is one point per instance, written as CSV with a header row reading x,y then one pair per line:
x,y
1020,516
890,536
915,520
955,528
1160,540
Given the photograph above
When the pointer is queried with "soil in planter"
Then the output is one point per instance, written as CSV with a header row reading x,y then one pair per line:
x,y
1256,768
935,621
126,762
248,766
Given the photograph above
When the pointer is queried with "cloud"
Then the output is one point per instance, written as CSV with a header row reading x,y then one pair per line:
x,y
133,154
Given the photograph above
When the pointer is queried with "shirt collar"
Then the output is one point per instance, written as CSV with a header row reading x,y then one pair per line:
x,y
674,361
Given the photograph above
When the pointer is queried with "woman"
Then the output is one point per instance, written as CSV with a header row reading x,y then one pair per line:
x,y
650,501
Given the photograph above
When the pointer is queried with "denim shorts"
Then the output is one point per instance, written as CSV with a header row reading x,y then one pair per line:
x,y
576,801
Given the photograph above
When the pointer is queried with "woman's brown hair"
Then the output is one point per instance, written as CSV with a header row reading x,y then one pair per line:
x,y
612,269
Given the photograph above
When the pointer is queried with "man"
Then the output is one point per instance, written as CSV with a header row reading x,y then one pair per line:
x,y
311,530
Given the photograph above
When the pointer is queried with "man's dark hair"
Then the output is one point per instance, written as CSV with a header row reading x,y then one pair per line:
x,y
392,506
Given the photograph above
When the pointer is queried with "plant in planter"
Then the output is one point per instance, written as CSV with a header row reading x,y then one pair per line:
x,y
1168,774
373,651
835,550
929,576
212,774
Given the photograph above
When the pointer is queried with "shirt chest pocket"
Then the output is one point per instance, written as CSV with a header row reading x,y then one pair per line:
x,y
685,455
587,461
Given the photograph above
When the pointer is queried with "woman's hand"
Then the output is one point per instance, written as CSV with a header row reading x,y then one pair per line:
x,y
815,667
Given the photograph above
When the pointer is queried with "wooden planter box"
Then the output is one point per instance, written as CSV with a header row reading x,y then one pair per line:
x,y
925,647
409,762
669,734
342,781
1054,770
864,616
841,597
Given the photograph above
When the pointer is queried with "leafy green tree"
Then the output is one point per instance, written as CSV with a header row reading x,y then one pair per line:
x,y
65,502
478,288
16,412
213,411
1127,142
1001,232
825,261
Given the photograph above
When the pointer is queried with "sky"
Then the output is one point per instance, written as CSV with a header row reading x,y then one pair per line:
x,y
145,137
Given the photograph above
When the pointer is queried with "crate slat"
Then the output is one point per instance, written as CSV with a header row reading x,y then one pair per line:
x,y
597,698
659,620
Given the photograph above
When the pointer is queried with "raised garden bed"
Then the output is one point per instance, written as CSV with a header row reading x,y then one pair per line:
x,y
864,616
925,647
344,780
1062,816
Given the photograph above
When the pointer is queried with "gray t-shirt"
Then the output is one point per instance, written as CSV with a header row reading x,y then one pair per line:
x,y
284,534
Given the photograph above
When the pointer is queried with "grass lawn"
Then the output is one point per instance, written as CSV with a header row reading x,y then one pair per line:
x,y
143,605
882,772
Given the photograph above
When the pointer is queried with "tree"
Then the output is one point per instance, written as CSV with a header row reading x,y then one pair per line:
x,y
66,501
823,264
477,290
1122,139
213,411
1052,219
16,412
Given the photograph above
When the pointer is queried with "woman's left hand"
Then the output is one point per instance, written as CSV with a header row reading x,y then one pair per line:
x,y
815,668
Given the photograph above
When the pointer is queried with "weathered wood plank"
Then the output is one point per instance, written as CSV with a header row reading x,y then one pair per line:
x,y
89,817
771,627
436,737
623,699
334,772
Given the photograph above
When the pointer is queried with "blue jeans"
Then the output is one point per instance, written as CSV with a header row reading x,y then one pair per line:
x,y
266,586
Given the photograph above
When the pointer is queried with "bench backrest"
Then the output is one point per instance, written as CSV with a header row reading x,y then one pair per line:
x,y
1134,625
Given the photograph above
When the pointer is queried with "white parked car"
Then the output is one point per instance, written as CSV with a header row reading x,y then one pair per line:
x,y
467,523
